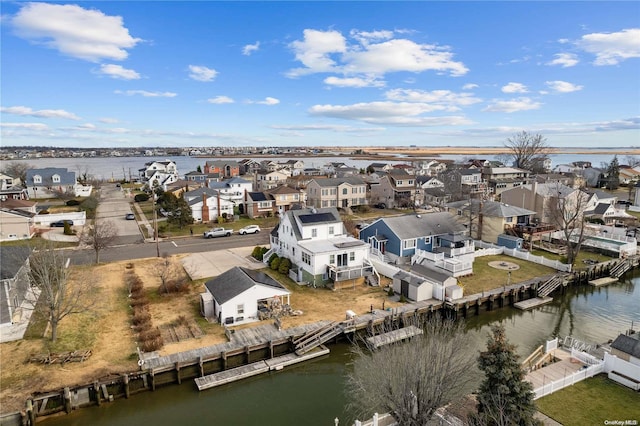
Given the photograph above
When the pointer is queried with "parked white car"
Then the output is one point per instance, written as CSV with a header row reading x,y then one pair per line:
x,y
249,229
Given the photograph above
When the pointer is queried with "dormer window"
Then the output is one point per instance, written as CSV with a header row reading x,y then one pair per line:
x,y
55,178
37,179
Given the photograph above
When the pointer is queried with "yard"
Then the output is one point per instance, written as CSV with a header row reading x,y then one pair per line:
x,y
107,331
592,402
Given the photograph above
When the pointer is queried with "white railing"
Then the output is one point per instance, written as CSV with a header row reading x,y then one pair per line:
x,y
551,345
584,357
492,249
569,380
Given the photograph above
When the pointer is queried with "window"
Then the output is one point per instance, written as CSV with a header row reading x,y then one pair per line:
x,y
306,258
410,182
314,232
332,259
408,244
240,308
509,219
352,256
331,230
37,179
344,191
399,182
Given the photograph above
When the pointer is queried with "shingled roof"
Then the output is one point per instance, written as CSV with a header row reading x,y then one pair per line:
x,y
627,344
236,281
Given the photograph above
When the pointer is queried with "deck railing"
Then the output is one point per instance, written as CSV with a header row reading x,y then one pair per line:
x,y
569,380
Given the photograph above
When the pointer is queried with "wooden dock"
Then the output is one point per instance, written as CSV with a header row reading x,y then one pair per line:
x,y
533,303
603,281
255,368
375,342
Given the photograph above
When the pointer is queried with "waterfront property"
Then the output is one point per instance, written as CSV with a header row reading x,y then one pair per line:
x,y
49,181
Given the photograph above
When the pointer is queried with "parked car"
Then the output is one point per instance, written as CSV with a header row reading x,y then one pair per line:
x,y
218,232
130,216
60,223
249,229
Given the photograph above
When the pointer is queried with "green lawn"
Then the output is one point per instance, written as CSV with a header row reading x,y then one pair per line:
x,y
486,278
582,255
591,402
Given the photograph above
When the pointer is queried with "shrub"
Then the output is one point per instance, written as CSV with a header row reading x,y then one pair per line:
x,y
285,265
263,251
44,212
141,197
390,292
275,264
141,317
257,253
272,258
67,228
73,203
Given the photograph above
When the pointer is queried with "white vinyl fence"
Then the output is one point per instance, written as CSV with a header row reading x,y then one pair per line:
x,y
487,249
569,380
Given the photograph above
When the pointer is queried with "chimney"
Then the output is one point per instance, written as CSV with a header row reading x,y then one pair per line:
x,y
205,208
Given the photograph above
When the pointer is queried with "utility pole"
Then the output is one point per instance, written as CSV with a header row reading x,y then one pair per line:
x,y
155,224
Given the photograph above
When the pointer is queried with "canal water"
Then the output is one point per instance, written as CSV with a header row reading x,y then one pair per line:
x,y
312,393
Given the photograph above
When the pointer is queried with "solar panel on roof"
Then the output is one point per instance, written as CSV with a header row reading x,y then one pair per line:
x,y
317,217
349,244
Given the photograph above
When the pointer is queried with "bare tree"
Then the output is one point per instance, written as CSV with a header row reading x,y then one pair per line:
x,y
18,170
99,236
413,379
567,214
168,272
527,151
59,296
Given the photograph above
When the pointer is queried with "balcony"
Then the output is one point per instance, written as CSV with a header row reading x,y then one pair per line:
x,y
344,273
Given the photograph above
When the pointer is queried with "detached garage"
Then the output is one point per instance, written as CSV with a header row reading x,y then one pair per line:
x,y
234,297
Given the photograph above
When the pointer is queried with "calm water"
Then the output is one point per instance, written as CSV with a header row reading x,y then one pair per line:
x,y
312,393
119,167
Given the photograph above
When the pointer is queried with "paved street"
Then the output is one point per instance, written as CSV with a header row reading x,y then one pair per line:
x,y
114,205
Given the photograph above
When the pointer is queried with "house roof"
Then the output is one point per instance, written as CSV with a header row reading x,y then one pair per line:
x,y
491,208
66,177
12,203
412,226
258,196
413,280
283,189
18,212
429,274
311,216
601,208
11,260
627,344
236,281
331,182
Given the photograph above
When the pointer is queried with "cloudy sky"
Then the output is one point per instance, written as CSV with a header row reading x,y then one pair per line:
x,y
204,73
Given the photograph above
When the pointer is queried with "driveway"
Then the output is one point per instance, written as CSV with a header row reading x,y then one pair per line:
x,y
114,206
213,263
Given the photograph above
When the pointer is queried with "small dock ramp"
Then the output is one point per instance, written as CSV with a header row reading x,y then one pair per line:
x,y
548,287
255,368
603,281
532,303
619,269
317,337
375,342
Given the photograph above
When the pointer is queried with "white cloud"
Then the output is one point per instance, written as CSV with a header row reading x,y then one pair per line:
x,y
108,120
73,31
513,105
515,88
315,50
565,60
117,71
328,127
201,73
27,126
450,101
220,100
389,113
250,48
470,86
371,53
269,101
353,82
612,48
563,86
87,126
43,113
146,93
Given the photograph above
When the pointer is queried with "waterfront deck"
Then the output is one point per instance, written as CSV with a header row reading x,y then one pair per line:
x,y
564,367
255,368
525,305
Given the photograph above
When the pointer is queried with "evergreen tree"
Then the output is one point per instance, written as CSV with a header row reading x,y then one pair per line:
x,y
613,174
199,169
504,398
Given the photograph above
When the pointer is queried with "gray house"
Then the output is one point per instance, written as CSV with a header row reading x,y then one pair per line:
x,y
49,181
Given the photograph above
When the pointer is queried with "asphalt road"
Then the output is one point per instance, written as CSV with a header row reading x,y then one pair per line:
x,y
114,206
175,246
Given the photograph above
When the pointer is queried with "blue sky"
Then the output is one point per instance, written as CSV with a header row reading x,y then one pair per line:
x,y
204,73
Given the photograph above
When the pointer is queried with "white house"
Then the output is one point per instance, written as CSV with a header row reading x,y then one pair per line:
x,y
232,189
316,242
50,181
207,204
159,173
236,296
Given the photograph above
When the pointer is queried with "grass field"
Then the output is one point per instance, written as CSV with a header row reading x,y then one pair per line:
x,y
592,402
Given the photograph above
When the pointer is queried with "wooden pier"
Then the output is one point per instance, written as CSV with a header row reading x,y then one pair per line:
x,y
603,281
255,368
525,305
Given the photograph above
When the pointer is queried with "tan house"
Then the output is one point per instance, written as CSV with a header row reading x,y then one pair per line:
x,y
337,192
500,179
396,189
267,180
489,219
16,224
285,197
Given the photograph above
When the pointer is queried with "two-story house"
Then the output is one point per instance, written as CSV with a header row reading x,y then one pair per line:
x,y
500,179
286,197
232,189
50,181
337,192
226,168
208,204
396,189
266,180
316,242
259,204
159,174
